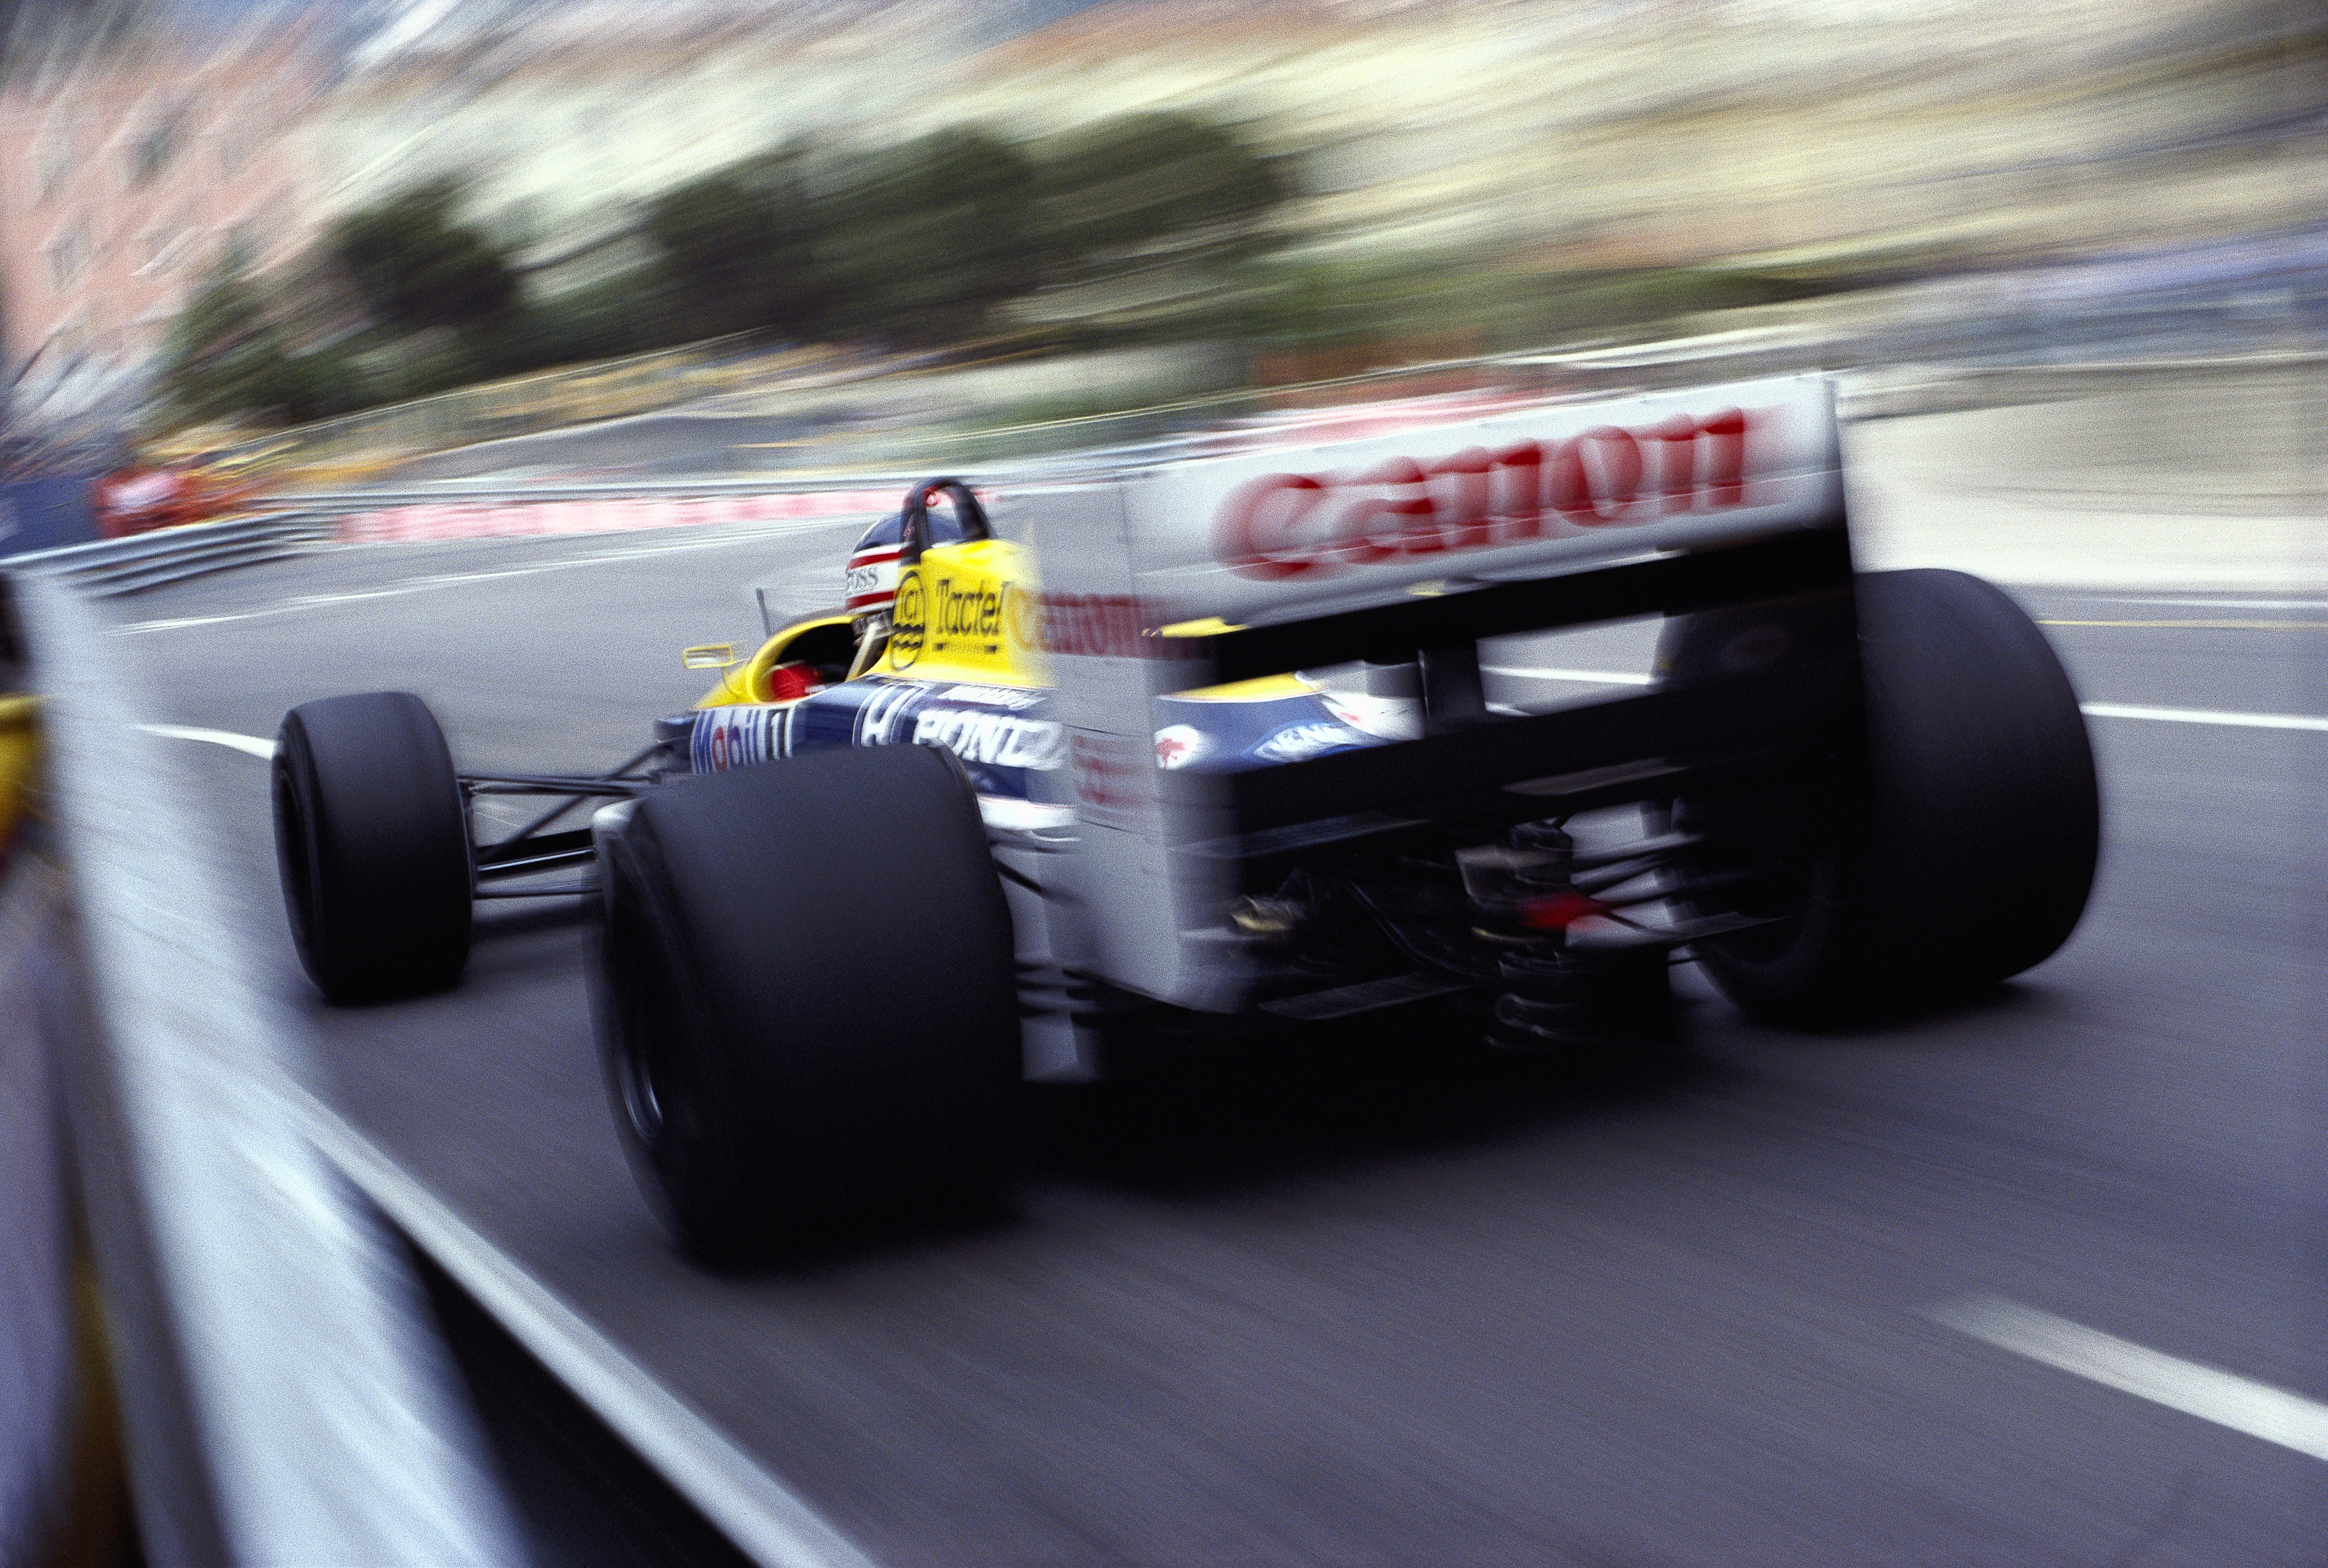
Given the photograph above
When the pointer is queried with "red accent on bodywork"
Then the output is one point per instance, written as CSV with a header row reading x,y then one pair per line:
x,y
1557,911
788,682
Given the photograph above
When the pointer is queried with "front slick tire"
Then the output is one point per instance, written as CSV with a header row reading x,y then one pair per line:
x,y
806,1000
372,839
1972,854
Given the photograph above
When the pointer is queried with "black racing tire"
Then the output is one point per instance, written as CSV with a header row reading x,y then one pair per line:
x,y
371,840
1959,854
806,999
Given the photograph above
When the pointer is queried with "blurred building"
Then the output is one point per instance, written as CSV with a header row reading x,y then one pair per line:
x,y
128,176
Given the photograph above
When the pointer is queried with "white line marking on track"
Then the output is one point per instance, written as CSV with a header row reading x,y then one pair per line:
x,y
768,1522
2206,716
2095,710
250,744
2225,1398
2219,603
1582,676
2201,625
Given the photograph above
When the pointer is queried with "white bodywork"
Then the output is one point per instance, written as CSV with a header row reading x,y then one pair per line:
x,y
1274,536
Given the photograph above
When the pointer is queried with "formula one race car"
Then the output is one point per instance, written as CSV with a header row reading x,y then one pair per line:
x,y
1234,754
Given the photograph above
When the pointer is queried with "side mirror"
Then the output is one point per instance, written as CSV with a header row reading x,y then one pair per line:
x,y
710,656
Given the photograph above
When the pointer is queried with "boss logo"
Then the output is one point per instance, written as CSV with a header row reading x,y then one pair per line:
x,y
871,582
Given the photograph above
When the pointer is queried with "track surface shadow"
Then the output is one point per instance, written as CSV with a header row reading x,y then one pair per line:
x,y
1202,1118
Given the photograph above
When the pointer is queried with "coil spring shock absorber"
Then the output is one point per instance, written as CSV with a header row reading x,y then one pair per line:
x,y
1559,996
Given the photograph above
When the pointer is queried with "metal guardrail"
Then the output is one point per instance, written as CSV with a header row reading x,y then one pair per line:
x,y
111,566
1906,388
284,1398
459,493
283,525
1632,363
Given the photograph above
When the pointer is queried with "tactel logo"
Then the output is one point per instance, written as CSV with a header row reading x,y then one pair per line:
x,y
909,623
974,611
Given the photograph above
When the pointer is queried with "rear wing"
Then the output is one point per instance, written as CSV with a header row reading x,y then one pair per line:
x,y
1412,548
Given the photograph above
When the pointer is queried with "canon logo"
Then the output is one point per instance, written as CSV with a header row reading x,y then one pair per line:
x,y
1107,625
1095,626
1290,524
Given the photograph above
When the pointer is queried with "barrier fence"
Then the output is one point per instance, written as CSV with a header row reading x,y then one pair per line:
x,y
106,568
283,1395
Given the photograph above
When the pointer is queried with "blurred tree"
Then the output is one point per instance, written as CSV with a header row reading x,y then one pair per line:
x,y
222,351
417,266
604,321
1146,217
227,355
1155,185
738,252
924,241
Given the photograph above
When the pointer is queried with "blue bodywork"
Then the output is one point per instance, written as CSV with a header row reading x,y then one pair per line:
x,y
1005,735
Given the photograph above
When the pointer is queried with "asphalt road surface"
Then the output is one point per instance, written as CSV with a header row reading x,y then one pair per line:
x,y
1788,1301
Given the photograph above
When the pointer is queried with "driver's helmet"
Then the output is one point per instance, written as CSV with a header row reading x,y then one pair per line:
x,y
872,582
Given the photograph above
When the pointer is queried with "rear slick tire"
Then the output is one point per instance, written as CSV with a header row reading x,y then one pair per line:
x,y
806,1001
1967,854
371,840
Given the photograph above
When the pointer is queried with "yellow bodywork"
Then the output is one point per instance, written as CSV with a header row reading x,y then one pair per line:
x,y
20,760
747,682
966,612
